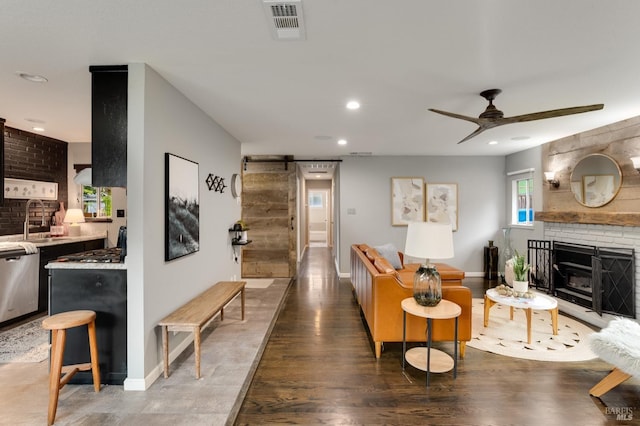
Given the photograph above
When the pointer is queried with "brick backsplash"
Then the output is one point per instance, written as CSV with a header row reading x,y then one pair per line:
x,y
34,157
601,236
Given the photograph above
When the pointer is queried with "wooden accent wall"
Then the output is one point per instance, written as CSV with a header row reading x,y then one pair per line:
x,y
269,211
620,141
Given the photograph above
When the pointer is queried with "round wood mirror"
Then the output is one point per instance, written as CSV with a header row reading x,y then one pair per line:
x,y
596,180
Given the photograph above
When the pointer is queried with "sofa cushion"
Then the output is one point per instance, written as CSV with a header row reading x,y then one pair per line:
x,y
372,254
390,252
383,265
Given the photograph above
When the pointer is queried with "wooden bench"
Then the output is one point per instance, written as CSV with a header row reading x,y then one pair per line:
x,y
197,313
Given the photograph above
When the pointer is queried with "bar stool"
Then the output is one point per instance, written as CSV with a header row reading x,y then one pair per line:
x,y
58,324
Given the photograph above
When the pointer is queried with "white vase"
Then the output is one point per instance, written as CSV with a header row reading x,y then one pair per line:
x,y
520,286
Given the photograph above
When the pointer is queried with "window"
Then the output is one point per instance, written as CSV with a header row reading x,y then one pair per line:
x,y
315,199
96,202
522,199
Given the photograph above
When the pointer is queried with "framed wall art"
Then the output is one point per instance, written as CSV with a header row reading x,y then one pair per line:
x,y
26,189
182,207
407,200
442,203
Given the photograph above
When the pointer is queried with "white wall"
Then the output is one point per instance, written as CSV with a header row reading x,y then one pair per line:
x,y
161,120
80,153
365,187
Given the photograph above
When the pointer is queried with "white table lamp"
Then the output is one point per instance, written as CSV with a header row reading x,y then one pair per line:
x,y
428,240
74,217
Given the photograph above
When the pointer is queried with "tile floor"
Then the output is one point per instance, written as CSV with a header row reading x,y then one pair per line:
x,y
227,369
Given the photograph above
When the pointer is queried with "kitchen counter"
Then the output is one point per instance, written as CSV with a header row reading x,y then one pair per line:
x,y
52,241
85,265
45,241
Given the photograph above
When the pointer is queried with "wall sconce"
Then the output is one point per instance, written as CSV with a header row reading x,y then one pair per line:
x,y
636,163
551,179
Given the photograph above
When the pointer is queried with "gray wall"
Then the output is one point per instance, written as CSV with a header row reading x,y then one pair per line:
x,y
160,120
530,158
365,185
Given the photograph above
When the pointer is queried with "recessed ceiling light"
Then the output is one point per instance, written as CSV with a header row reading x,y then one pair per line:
x,y
342,142
353,105
38,129
318,176
34,78
492,143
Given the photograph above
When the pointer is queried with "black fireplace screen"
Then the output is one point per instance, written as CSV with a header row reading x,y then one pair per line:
x,y
602,279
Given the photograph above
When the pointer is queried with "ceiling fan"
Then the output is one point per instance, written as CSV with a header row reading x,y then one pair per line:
x,y
493,117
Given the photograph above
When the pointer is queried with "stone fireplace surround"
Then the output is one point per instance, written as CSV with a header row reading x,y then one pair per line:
x,y
596,235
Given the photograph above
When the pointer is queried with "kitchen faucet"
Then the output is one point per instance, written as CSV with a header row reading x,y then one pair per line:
x,y
26,220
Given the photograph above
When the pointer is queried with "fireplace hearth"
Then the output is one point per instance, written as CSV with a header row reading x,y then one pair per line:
x,y
598,278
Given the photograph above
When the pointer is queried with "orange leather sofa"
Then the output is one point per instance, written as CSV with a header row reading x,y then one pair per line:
x,y
379,289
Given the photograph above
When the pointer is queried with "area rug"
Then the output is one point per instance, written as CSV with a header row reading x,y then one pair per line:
x,y
509,338
28,342
258,282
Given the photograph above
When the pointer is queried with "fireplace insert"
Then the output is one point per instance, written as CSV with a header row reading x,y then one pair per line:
x,y
602,279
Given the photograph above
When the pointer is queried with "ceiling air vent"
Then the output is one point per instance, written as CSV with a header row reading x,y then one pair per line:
x,y
285,19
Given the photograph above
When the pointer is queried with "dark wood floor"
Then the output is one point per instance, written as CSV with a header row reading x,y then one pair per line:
x,y
319,368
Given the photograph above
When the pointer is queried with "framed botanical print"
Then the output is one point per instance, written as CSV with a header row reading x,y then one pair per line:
x,y
442,203
407,200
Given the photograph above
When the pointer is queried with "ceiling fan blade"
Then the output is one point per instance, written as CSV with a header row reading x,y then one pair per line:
x,y
476,133
454,115
549,114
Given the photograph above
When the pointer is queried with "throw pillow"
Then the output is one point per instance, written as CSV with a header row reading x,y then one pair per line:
x,y
390,252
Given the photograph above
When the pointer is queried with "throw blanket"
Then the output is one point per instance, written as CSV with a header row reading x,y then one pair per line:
x,y
30,248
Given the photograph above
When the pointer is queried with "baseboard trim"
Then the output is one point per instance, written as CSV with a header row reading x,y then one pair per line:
x,y
144,384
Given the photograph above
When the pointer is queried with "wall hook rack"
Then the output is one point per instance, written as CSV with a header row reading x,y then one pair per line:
x,y
215,183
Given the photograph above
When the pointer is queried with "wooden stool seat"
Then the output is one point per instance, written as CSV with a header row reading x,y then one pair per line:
x,y
58,324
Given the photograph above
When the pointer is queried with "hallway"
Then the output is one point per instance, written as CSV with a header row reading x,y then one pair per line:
x,y
319,368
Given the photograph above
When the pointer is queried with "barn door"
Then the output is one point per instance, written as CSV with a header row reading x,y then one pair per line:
x,y
268,209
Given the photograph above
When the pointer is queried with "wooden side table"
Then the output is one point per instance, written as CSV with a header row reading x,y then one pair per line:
x,y
427,359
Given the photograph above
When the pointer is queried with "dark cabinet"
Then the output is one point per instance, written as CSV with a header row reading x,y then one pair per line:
x,y
49,253
109,125
103,291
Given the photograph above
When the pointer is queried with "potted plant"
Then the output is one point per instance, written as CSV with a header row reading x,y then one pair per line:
x,y
520,273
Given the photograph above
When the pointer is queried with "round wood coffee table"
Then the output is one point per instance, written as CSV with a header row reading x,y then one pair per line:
x,y
539,302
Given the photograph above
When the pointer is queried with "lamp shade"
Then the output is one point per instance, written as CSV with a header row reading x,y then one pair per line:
x,y
74,216
428,240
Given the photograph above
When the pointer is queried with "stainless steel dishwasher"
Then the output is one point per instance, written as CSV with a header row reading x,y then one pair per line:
x,y
18,283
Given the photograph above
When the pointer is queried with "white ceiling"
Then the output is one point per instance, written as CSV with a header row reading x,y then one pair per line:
x,y
398,58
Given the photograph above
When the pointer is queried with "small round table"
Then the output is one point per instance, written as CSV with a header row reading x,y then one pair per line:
x,y
539,302
427,359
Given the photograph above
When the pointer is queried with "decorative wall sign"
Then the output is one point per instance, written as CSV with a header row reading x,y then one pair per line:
x,y
407,200
26,189
215,183
182,207
442,203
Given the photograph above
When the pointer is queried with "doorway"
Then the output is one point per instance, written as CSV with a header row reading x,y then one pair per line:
x,y
318,217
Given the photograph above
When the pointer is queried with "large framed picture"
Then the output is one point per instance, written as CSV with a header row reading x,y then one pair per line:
x,y
182,207
407,200
442,203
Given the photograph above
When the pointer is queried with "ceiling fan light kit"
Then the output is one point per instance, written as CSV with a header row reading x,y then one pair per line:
x,y
493,117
